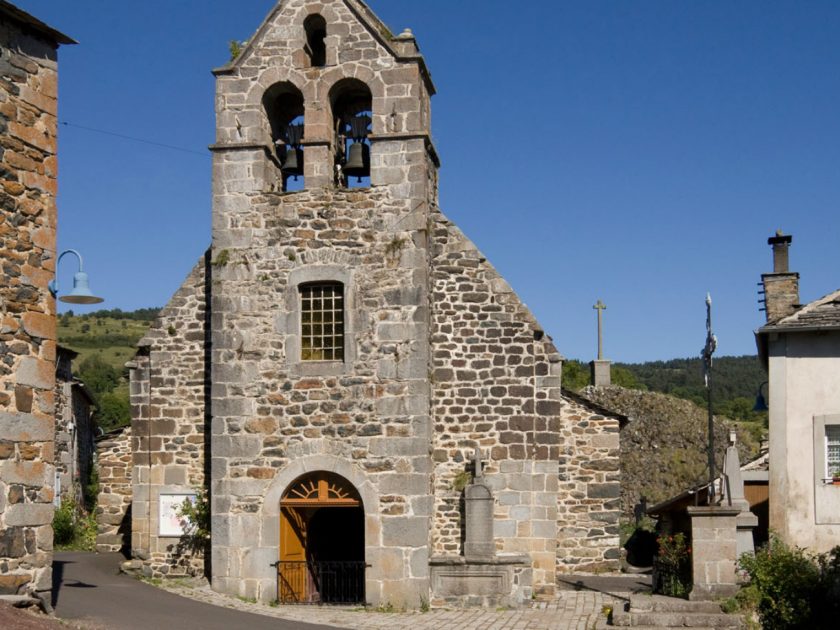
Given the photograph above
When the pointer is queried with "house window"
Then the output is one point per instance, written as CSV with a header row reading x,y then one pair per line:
x,y
322,321
832,449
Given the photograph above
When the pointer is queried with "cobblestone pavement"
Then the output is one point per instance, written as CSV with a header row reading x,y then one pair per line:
x,y
571,609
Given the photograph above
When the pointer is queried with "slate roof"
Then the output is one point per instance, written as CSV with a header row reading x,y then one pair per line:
x,y
820,314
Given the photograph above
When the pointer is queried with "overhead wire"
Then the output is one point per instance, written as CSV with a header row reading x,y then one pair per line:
x,y
132,138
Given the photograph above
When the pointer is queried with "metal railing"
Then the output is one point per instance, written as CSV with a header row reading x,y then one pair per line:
x,y
320,582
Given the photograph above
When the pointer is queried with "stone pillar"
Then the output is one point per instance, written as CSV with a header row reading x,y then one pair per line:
x,y
714,551
600,371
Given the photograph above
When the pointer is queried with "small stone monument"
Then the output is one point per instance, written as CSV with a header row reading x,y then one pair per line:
x,y
733,496
478,511
480,577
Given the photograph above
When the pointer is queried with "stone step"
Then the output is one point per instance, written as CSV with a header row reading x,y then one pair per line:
x,y
661,603
675,620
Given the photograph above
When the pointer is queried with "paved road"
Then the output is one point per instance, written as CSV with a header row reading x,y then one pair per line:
x,y
88,588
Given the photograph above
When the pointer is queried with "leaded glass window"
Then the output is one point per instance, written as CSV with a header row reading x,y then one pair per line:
x,y
322,321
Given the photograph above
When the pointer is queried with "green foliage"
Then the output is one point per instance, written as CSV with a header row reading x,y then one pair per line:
x,y
99,376
461,481
787,581
73,528
113,410
736,382
575,375
90,492
235,48
672,566
196,518
103,351
222,259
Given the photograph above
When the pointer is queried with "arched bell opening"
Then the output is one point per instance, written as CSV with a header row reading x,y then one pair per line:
x,y
316,35
283,104
322,542
352,118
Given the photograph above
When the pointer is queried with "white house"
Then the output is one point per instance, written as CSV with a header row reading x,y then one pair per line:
x,y
800,348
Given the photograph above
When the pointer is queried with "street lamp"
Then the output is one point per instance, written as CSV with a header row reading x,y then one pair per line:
x,y
81,293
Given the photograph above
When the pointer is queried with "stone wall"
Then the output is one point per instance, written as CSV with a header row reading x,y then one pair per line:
x,y
169,429
28,90
588,499
113,509
496,385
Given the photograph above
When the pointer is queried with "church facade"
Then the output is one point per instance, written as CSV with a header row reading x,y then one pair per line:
x,y
328,369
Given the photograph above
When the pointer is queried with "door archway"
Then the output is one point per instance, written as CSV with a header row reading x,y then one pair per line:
x,y
322,541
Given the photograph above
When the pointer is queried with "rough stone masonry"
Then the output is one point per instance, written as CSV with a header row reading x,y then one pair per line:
x,y
436,353
28,92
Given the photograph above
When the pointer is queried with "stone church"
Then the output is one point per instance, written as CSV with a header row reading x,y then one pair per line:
x,y
330,368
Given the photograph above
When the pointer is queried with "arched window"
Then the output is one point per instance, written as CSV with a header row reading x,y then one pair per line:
x,y
283,104
321,321
316,34
352,117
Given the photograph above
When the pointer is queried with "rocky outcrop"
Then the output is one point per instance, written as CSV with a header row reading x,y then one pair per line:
x,y
663,446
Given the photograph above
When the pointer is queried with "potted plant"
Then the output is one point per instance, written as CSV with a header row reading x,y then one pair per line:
x,y
835,475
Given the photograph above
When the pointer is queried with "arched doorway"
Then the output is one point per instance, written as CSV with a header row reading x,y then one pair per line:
x,y
322,542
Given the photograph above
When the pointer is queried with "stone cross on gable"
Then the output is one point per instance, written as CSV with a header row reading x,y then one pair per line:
x,y
600,307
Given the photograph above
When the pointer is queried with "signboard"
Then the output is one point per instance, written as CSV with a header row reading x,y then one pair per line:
x,y
169,522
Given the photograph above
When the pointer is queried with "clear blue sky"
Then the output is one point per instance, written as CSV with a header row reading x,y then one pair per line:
x,y
636,152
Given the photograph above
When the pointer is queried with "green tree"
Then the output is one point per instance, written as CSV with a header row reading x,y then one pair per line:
x,y
113,411
575,375
99,377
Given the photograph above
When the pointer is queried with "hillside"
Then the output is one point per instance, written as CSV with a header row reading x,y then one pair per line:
x,y
663,447
105,340
735,381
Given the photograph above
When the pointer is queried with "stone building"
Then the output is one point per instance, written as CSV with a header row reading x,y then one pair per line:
x,y
28,92
329,367
75,430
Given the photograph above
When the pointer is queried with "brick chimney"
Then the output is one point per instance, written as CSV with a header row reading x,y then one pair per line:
x,y
781,288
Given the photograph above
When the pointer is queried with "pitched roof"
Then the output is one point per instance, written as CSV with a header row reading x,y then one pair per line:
x,y
376,27
7,9
821,314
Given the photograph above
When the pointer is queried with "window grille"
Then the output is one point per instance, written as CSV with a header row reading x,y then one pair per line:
x,y
832,446
322,322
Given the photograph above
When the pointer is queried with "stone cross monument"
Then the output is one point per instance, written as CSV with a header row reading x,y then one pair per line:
x,y
600,367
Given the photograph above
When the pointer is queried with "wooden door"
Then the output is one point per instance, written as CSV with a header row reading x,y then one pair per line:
x,y
292,573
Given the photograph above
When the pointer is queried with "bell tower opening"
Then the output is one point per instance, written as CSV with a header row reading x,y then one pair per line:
x,y
322,542
283,104
352,118
316,35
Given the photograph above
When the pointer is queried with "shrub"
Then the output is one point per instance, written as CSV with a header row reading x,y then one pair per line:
x,y
64,523
73,528
196,518
672,566
789,583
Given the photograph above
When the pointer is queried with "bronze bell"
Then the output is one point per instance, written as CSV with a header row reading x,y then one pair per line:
x,y
358,160
293,164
